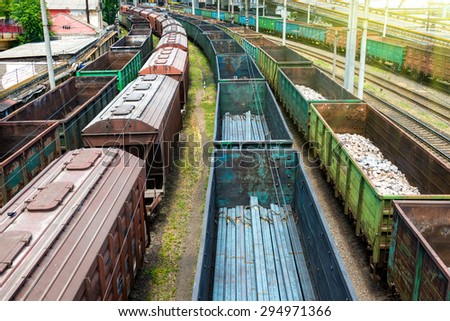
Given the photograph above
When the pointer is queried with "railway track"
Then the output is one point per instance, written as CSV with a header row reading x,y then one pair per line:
x,y
438,108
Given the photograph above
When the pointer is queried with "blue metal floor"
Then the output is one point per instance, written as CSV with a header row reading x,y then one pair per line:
x,y
259,256
245,127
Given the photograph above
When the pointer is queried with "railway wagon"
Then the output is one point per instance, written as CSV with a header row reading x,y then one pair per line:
x,y
152,19
247,114
427,60
214,15
270,59
144,119
387,50
268,24
173,29
136,44
173,40
297,103
419,258
222,47
172,62
123,65
304,31
238,67
239,33
169,22
371,209
252,45
77,231
124,20
340,34
158,23
141,32
204,40
73,104
26,148
263,240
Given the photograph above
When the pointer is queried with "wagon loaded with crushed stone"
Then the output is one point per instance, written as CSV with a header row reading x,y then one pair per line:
x,y
367,183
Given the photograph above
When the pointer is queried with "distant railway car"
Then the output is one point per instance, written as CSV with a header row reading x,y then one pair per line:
x,y
387,50
144,119
235,68
26,148
173,40
173,29
73,104
428,60
252,45
299,30
142,44
123,65
158,23
419,259
77,231
172,62
270,59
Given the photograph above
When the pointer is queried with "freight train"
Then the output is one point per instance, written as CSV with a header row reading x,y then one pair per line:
x,y
320,121
260,239
74,227
419,60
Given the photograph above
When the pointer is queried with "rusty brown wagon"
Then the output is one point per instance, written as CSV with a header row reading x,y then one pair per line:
x,y
144,119
172,62
77,231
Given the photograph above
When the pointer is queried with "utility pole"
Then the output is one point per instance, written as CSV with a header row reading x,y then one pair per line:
x,y
284,22
87,12
309,13
385,18
100,15
335,52
218,10
246,13
349,72
193,7
362,56
48,49
264,8
257,16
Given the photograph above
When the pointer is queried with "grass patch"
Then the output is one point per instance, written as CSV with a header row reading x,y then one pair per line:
x,y
178,204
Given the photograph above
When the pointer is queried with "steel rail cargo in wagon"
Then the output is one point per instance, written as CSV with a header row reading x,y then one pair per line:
x,y
144,119
247,115
265,240
77,231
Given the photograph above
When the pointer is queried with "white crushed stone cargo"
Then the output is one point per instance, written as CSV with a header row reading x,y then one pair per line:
x,y
309,93
384,175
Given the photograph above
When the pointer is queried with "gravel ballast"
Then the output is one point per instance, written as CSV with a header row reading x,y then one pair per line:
x,y
384,175
309,93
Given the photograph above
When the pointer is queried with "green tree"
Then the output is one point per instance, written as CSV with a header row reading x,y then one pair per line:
x,y
28,14
110,8
5,8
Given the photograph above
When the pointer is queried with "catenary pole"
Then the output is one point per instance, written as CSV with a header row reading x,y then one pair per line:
x,y
48,49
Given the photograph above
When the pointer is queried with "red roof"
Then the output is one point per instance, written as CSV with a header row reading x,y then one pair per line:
x,y
65,24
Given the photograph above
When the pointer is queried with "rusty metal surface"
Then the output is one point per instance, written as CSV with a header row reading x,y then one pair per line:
x,y
158,23
173,29
175,40
73,104
25,149
141,114
110,61
137,43
79,248
419,260
172,62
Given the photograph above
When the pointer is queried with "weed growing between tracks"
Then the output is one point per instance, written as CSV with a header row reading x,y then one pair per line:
x,y
180,199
